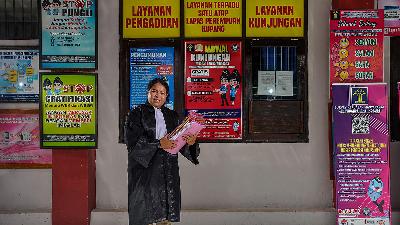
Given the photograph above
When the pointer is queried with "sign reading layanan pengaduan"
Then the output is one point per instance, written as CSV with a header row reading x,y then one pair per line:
x,y
150,19
275,18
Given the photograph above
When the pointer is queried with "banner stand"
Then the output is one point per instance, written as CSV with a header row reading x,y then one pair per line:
x,y
73,186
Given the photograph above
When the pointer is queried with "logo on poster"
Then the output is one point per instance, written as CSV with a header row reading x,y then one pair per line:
x,y
359,95
200,72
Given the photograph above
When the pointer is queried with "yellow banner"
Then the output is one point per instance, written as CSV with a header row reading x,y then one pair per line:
x,y
213,18
151,19
275,18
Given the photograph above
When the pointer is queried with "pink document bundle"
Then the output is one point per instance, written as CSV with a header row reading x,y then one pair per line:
x,y
192,124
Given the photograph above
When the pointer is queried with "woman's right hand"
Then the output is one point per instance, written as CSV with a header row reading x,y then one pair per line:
x,y
165,143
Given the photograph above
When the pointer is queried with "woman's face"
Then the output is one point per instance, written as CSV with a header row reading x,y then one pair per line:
x,y
157,95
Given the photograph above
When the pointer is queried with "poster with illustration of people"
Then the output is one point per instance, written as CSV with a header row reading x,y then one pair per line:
x,y
213,87
68,110
356,46
68,34
19,75
361,153
19,140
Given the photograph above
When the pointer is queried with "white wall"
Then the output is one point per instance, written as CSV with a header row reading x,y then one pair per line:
x,y
292,176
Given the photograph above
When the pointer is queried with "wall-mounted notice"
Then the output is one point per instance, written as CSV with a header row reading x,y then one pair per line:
x,y
391,10
147,64
68,110
361,143
356,46
213,18
275,18
68,34
19,75
150,19
213,86
19,140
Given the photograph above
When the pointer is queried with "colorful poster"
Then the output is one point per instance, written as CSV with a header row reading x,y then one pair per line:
x,y
213,86
275,18
213,18
356,46
19,140
150,19
361,143
19,75
68,34
68,110
391,10
147,64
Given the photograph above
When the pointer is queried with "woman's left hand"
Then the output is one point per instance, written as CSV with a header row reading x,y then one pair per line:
x,y
190,138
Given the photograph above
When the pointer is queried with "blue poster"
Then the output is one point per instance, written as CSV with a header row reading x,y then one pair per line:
x,y
68,32
147,64
19,79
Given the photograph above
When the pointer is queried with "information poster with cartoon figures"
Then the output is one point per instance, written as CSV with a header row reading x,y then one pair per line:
x,y
19,75
391,9
356,46
19,140
213,86
146,64
68,110
361,143
68,34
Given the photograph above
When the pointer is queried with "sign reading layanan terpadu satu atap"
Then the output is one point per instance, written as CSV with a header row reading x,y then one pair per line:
x,y
275,18
68,110
213,18
150,18
213,87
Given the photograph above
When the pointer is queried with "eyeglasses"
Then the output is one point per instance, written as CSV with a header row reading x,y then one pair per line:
x,y
154,91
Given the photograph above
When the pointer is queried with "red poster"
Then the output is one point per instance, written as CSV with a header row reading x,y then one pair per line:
x,y
213,86
356,46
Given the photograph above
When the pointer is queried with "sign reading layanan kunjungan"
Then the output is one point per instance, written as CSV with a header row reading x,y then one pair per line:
x,y
68,110
275,18
150,18
361,143
213,18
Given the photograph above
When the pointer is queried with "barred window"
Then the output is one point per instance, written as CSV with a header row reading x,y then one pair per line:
x,y
18,19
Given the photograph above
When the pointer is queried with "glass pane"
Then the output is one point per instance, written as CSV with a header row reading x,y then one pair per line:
x,y
274,72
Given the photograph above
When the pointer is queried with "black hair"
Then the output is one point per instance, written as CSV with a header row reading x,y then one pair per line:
x,y
46,82
161,81
235,75
57,80
225,74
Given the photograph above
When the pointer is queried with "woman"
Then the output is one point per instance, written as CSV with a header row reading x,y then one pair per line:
x,y
154,194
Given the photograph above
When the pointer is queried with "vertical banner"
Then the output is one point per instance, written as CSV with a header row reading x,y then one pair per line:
x,y
150,19
147,64
68,110
356,46
275,18
19,140
361,142
391,10
68,34
19,75
213,86
213,18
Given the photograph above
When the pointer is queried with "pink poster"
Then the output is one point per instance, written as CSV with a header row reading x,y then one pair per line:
x,y
19,140
361,155
356,46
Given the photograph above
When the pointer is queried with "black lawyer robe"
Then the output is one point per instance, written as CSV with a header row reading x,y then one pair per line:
x,y
153,174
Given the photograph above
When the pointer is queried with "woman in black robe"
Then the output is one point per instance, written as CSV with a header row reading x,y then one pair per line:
x,y
154,194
